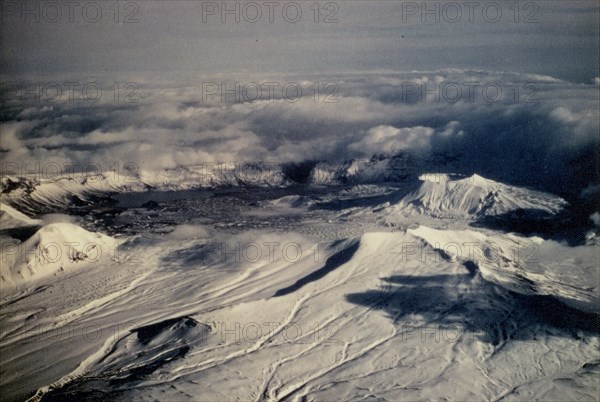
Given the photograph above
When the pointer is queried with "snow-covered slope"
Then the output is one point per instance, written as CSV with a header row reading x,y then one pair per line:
x,y
336,308
55,249
41,195
10,218
395,327
357,171
446,196
529,266
293,201
217,175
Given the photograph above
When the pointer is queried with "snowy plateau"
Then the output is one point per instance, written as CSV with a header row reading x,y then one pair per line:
x,y
355,281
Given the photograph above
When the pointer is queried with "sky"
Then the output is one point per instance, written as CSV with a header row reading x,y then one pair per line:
x,y
508,89
557,38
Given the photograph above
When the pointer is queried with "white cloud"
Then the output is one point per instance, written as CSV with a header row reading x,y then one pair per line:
x,y
171,127
390,140
10,140
595,217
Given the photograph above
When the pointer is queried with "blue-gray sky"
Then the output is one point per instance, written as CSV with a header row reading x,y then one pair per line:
x,y
557,38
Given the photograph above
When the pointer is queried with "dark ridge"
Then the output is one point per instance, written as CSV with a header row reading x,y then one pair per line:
x,y
527,283
10,184
570,225
552,311
298,172
490,312
90,395
472,268
23,233
151,205
332,263
114,380
140,372
149,332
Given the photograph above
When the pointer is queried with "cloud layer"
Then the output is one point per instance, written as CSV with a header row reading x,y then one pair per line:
x,y
529,129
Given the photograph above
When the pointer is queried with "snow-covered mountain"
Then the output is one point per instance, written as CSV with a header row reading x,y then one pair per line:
x,y
357,171
212,175
437,194
41,193
55,249
444,196
44,194
527,265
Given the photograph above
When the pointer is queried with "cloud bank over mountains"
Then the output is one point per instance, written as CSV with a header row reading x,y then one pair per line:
x,y
528,129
